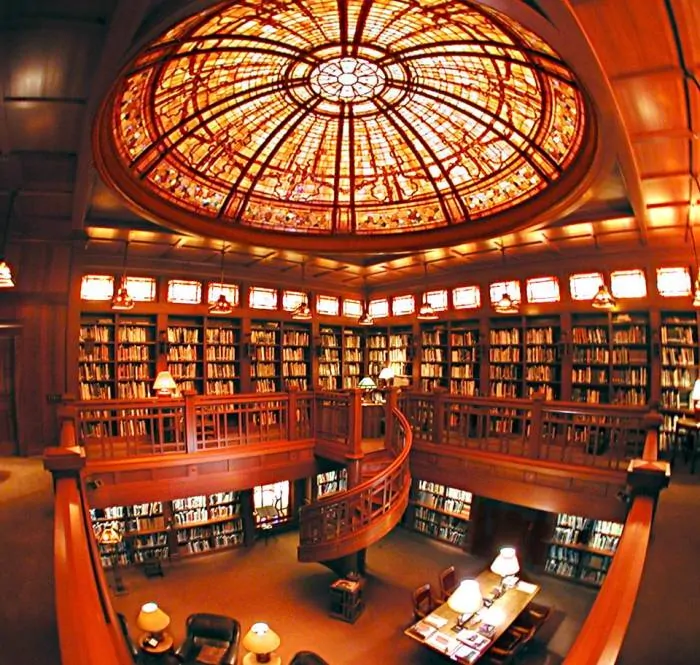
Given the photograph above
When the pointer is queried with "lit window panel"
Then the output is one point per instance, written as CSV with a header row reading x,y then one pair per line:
x,y
456,100
466,297
437,300
542,289
512,288
141,289
328,305
231,291
584,286
292,299
352,308
186,292
403,305
97,287
274,495
628,284
262,298
379,309
673,282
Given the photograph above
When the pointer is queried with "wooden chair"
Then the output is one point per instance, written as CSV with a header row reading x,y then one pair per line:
x,y
533,616
506,647
423,601
448,583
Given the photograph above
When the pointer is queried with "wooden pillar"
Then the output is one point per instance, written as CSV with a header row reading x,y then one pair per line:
x,y
292,413
190,422
438,415
535,436
392,402
355,423
67,423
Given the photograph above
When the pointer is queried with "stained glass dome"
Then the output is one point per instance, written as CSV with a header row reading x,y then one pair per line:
x,y
340,121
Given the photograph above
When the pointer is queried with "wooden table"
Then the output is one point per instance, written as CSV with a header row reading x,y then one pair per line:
x,y
500,615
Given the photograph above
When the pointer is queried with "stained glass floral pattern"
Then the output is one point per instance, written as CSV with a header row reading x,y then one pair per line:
x,y
355,117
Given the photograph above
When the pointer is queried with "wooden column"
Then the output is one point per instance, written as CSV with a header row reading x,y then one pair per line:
x,y
535,437
190,421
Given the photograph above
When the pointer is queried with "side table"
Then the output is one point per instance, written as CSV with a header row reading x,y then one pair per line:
x,y
159,653
347,602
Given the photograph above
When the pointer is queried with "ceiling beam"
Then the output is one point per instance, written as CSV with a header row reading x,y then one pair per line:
x,y
125,21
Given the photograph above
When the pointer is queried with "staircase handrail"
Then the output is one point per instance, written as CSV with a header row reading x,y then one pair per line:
x,y
393,482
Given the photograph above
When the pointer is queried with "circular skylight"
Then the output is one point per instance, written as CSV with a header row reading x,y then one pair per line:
x,y
342,120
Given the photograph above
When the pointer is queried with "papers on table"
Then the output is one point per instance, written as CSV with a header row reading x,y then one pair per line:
x,y
473,639
443,643
423,629
526,587
465,652
435,620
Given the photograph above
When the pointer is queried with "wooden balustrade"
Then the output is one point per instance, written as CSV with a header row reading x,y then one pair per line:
x,y
88,632
603,633
601,436
348,521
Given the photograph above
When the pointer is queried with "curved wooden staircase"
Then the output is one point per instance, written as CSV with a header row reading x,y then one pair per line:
x,y
345,523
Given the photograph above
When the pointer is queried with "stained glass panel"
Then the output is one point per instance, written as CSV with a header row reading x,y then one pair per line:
x,y
97,287
628,284
584,286
673,282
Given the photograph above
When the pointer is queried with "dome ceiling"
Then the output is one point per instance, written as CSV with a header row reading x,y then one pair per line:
x,y
345,122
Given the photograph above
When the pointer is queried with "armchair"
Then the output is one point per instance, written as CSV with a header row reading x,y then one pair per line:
x,y
212,639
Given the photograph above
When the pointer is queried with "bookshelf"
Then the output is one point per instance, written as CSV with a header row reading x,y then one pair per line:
x,y
185,352
329,350
353,357
400,354
116,357
144,533
679,367
377,352
434,357
265,369
506,357
630,358
590,371
330,482
464,358
581,549
440,512
203,523
542,357
96,359
222,353
296,366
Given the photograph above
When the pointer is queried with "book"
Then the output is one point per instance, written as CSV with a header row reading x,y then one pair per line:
x,y
423,630
435,620
473,639
443,643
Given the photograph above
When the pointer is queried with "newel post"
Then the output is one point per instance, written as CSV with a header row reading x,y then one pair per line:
x,y
293,412
67,423
391,403
64,462
536,425
190,398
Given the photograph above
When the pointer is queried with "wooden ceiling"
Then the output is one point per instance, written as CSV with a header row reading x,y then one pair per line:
x,y
640,61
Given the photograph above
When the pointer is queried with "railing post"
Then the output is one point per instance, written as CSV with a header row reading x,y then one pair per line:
x,y
536,425
439,396
355,423
64,462
391,403
190,421
67,423
292,413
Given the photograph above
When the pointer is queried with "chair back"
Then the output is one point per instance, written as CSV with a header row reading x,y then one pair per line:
x,y
131,645
423,603
307,658
448,582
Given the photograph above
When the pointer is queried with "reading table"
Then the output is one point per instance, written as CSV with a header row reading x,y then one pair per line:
x,y
438,631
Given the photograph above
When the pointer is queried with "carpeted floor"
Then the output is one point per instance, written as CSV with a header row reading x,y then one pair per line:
x,y
267,583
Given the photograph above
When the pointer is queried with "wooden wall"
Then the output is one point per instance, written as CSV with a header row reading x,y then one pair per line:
x,y
39,305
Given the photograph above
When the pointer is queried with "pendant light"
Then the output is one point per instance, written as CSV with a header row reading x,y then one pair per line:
x,y
122,301
366,319
303,311
603,299
506,305
6,279
426,311
696,294
222,304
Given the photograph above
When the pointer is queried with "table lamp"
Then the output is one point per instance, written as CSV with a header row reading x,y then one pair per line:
x,y
261,641
165,385
152,620
111,537
695,399
466,600
387,375
505,565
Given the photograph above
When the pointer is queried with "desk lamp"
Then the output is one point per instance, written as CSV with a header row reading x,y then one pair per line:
x,y
466,601
261,641
695,399
153,621
165,385
505,565
111,537
387,375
